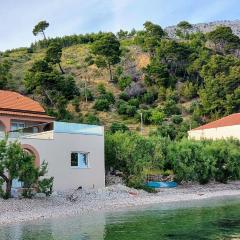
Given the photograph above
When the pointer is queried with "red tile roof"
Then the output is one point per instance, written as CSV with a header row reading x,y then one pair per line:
x,y
14,103
233,119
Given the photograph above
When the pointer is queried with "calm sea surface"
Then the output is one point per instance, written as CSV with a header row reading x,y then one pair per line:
x,y
209,219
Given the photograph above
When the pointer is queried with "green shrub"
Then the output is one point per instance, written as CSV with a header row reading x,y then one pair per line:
x,y
124,96
124,82
131,110
122,107
46,186
92,119
188,161
101,88
226,157
108,96
149,98
119,71
157,116
118,127
203,161
102,105
170,107
188,90
134,102
177,119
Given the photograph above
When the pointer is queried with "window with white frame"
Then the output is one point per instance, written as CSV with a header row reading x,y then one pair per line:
x,y
79,160
15,125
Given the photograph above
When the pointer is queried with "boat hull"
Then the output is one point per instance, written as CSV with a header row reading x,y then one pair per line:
x,y
153,184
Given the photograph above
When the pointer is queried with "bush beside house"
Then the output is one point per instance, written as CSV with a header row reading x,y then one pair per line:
x,y
16,163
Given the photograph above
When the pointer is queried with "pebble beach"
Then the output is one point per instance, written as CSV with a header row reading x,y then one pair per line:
x,y
106,199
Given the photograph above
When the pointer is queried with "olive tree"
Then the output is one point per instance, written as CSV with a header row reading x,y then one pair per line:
x,y
16,163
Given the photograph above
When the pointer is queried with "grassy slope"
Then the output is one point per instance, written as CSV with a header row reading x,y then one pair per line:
x,y
73,57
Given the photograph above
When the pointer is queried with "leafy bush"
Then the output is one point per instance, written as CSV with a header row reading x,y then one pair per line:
x,y
131,110
123,96
149,98
166,130
101,88
196,161
170,107
118,127
157,116
134,102
108,96
203,161
124,82
226,158
177,119
187,159
122,107
102,105
188,91
45,186
91,119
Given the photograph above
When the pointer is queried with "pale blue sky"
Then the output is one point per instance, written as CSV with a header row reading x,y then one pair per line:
x,y
17,17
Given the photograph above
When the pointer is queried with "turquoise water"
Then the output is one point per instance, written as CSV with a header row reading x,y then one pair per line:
x,y
211,219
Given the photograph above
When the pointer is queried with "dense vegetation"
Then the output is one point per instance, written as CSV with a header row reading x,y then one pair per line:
x,y
117,80
198,161
174,83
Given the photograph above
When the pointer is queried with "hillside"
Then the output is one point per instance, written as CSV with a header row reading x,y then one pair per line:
x,y
174,84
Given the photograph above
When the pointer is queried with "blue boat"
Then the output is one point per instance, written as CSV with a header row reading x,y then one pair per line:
x,y
153,184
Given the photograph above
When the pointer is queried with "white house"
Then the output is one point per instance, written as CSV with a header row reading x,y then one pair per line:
x,y
74,152
226,127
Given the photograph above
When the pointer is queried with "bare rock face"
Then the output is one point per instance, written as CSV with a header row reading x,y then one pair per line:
x,y
135,89
207,27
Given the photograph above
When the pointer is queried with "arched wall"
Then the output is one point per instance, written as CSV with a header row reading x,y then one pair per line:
x,y
32,150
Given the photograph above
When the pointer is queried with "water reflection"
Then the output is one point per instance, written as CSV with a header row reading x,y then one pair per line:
x,y
196,220
82,228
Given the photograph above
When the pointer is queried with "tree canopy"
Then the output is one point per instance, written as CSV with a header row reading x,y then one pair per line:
x,y
224,39
107,51
40,28
54,54
5,74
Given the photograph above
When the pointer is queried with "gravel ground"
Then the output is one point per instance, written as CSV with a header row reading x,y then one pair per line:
x,y
109,198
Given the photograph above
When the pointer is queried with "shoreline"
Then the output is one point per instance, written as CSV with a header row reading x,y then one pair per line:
x,y
112,198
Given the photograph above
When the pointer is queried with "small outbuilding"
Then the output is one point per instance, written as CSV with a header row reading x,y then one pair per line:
x,y
226,127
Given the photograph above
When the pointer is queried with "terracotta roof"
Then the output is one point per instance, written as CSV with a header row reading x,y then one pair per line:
x,y
38,116
233,119
15,101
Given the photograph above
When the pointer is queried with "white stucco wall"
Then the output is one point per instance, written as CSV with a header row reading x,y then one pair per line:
x,y
216,133
57,152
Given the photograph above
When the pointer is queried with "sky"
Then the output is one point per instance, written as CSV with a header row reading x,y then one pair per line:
x,y
66,17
